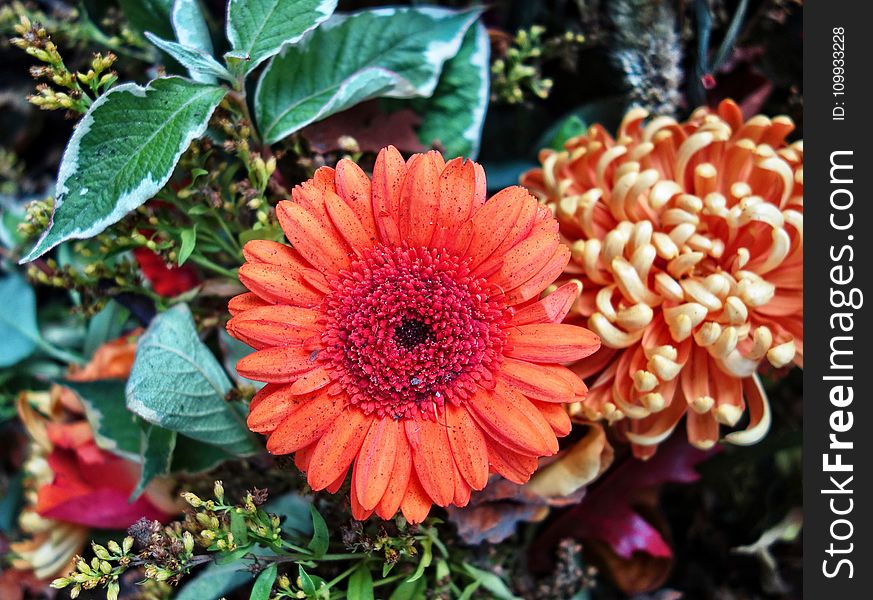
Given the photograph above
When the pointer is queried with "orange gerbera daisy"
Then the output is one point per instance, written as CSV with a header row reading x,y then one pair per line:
x,y
688,239
403,337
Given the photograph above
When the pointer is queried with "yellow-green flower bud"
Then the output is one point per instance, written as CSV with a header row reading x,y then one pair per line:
x,y
112,591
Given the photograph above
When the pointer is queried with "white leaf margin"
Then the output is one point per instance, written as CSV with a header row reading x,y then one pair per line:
x,y
325,9
437,53
128,201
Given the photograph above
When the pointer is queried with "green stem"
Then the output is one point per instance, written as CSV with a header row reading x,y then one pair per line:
x,y
343,575
211,266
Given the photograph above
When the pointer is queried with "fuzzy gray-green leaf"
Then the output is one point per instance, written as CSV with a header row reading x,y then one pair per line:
x,y
178,384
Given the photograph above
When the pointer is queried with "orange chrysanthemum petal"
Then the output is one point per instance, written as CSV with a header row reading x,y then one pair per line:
x,y
688,241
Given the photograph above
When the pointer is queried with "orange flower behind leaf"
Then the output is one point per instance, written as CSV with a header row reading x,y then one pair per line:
x,y
688,240
403,338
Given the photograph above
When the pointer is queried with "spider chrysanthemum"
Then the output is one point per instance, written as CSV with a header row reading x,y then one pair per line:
x,y
688,239
403,337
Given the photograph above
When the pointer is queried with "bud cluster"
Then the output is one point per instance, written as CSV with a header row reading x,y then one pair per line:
x,y
517,72
108,563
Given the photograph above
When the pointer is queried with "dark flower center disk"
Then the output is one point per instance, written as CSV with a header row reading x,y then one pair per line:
x,y
412,332
409,329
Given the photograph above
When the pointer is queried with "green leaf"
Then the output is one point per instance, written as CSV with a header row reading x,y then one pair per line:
x,y
563,130
470,590
189,240
409,590
202,67
426,559
264,583
492,583
148,15
306,583
295,510
453,117
116,429
157,453
238,528
213,582
192,456
232,556
10,502
388,52
360,584
178,384
105,326
122,152
320,536
190,26
18,328
258,29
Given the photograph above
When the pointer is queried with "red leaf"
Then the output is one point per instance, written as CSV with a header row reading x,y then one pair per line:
x,y
91,487
610,513
371,128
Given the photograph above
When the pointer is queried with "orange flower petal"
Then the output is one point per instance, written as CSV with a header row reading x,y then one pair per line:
x,y
311,193
358,511
416,503
322,247
556,415
270,406
279,325
545,276
493,222
314,380
347,223
420,200
525,259
273,253
401,472
510,418
538,382
244,302
457,185
278,284
550,342
375,464
353,185
277,365
551,309
468,446
432,458
702,429
510,465
462,489
305,425
334,487
388,173
303,456
337,448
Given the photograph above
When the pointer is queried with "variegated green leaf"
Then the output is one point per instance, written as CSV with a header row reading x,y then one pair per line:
x,y
387,52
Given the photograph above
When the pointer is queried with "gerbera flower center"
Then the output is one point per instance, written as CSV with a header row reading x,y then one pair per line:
x,y
409,329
